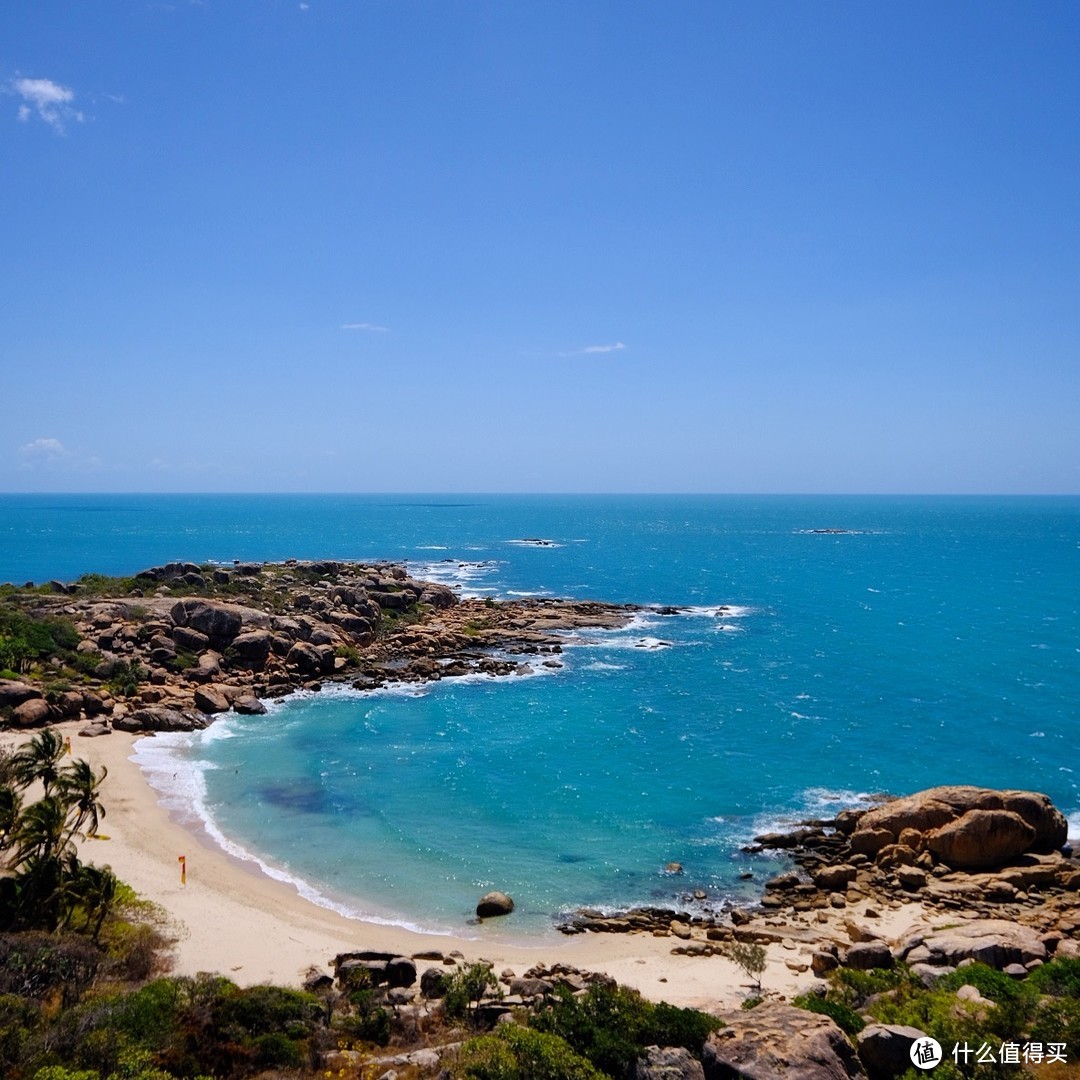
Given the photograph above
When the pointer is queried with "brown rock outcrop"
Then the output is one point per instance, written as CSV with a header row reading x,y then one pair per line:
x,y
667,1063
1033,824
981,838
773,1040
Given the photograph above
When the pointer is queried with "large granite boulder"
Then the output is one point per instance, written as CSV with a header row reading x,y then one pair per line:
x,y
251,649
159,718
667,1063
438,596
994,942
776,1040
936,812
867,955
981,838
31,713
494,903
305,658
209,699
13,693
190,640
219,622
885,1049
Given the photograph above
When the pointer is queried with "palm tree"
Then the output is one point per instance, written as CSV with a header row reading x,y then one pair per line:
x,y
42,832
78,786
92,888
10,808
39,760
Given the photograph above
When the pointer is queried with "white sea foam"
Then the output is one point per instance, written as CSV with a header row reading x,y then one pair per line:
x,y
470,579
715,611
537,542
1073,817
600,665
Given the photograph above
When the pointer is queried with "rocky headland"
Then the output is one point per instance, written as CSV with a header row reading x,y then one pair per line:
x,y
177,644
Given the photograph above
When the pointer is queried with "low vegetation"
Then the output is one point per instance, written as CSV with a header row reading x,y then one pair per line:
x,y
1043,1008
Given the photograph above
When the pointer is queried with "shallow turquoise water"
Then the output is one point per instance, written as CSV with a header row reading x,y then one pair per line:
x,y
937,640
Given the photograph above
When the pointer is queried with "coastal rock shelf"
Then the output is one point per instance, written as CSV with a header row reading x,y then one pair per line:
x,y
1007,902
176,644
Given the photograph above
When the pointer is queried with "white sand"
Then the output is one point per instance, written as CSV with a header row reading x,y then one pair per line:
x,y
231,918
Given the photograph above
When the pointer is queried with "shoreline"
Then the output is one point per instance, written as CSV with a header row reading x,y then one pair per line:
x,y
232,918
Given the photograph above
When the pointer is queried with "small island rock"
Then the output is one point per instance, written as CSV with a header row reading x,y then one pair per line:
x,y
494,903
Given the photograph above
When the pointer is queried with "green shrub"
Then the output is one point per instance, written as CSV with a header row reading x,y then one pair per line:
x,y
275,1048
1059,977
847,1019
854,987
26,638
518,1053
263,1009
1057,1020
467,985
18,1021
991,983
125,679
62,1072
612,1025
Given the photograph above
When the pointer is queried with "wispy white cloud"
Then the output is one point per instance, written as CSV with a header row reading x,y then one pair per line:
x,y
595,350
43,450
47,100
373,327
52,454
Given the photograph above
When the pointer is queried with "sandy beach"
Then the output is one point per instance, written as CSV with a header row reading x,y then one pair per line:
x,y
230,917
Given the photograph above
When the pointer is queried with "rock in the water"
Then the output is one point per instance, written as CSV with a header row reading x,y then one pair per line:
x,y
249,705
494,903
775,1040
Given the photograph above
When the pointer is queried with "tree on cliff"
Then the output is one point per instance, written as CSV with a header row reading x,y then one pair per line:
x,y
43,885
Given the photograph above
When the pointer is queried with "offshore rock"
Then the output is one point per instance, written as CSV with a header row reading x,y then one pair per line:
x,y
494,903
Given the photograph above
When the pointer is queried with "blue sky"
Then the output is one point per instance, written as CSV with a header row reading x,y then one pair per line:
x,y
385,245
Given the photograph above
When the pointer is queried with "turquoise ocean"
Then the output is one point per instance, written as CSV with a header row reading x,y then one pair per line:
x,y
932,640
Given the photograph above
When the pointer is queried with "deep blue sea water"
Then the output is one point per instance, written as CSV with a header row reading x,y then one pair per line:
x,y
935,640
